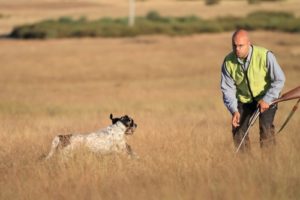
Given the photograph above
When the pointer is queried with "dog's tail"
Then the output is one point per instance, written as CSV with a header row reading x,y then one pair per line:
x,y
54,146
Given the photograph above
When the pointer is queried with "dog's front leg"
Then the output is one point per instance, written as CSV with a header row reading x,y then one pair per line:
x,y
130,152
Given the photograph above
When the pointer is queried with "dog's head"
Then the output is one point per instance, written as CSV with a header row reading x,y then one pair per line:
x,y
127,121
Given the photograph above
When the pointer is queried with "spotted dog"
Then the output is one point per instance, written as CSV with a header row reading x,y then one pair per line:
x,y
108,140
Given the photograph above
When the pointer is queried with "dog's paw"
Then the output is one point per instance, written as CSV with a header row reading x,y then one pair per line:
x,y
134,156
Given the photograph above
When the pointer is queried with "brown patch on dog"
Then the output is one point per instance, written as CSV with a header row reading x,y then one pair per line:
x,y
64,140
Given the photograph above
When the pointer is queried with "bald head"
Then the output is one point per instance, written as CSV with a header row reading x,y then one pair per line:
x,y
241,33
241,43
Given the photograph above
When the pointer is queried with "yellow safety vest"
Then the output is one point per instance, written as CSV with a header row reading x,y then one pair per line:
x,y
253,83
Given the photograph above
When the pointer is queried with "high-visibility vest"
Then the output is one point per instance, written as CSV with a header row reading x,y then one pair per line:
x,y
253,83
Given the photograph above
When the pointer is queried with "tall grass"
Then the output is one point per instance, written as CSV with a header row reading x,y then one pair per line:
x,y
170,86
183,161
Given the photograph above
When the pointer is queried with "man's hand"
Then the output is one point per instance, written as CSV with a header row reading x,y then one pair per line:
x,y
236,119
263,106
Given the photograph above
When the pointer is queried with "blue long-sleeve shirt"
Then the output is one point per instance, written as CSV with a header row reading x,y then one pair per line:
x,y
228,86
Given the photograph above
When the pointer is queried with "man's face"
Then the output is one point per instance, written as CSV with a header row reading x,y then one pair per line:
x,y
240,46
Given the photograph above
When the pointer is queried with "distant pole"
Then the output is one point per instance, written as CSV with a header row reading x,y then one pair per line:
x,y
131,12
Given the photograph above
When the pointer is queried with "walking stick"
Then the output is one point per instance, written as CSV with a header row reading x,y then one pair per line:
x,y
292,94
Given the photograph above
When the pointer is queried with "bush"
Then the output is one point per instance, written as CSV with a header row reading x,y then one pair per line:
x,y
212,2
258,1
266,20
253,1
155,16
153,23
273,0
269,14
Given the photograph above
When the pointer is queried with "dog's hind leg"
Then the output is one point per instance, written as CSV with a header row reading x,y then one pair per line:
x,y
54,146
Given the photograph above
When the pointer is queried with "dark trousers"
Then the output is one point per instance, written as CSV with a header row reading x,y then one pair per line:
x,y
266,126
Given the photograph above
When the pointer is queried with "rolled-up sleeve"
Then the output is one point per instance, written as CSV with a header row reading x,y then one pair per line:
x,y
277,79
228,89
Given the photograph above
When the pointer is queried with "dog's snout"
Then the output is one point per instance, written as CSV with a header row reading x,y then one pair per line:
x,y
132,124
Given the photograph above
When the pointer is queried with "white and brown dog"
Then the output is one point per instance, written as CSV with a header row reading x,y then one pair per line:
x,y
107,140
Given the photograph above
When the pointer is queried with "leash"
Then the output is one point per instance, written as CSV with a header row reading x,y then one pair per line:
x,y
289,116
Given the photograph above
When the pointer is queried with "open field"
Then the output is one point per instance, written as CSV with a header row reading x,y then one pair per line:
x,y
170,86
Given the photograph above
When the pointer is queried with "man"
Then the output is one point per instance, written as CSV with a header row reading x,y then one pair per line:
x,y
251,78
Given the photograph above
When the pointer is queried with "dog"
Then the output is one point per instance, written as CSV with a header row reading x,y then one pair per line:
x,y
108,140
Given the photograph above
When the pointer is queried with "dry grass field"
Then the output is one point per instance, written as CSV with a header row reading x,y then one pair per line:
x,y
170,86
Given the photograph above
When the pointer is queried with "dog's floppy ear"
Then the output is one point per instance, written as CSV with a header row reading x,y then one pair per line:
x,y
113,120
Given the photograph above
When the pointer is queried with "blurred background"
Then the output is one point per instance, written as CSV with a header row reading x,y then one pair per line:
x,y
19,12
